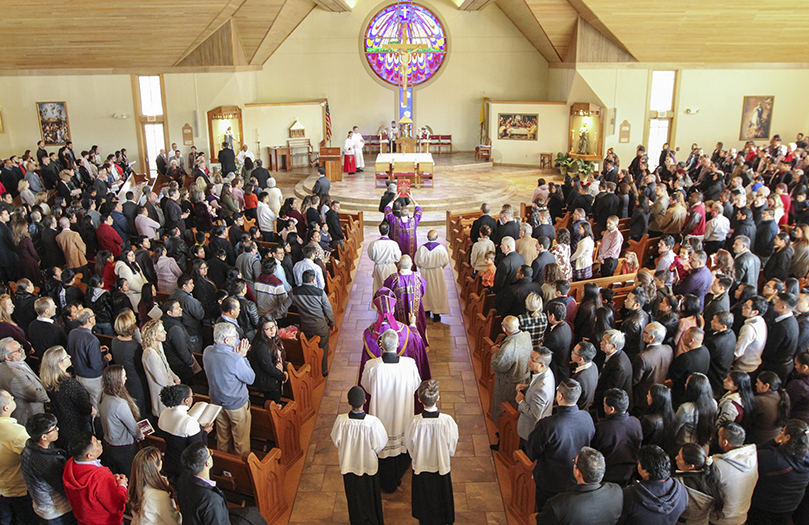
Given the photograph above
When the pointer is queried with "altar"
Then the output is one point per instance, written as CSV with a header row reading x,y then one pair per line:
x,y
415,166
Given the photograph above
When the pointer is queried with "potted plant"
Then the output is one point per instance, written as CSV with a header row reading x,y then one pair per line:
x,y
563,162
585,169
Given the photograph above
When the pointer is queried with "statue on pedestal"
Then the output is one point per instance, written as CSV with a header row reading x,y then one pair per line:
x,y
584,140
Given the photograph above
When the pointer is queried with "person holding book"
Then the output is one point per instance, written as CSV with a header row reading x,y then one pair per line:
x,y
119,418
180,427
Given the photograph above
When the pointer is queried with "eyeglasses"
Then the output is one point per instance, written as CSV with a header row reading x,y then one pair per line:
x,y
52,429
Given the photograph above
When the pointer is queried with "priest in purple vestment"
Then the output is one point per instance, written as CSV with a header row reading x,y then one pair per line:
x,y
403,228
410,342
409,288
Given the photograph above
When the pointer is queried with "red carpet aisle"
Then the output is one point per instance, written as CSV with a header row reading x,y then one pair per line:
x,y
321,497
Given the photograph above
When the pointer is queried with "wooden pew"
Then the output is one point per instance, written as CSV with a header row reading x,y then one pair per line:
x,y
523,501
247,479
303,387
509,438
302,351
454,219
577,287
271,426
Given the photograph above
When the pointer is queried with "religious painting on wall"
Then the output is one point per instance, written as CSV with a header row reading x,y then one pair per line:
x,y
53,123
513,126
756,118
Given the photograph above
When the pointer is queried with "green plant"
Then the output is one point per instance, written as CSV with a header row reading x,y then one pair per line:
x,y
563,160
585,169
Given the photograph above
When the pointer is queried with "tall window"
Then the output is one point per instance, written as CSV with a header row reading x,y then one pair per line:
x,y
151,121
661,114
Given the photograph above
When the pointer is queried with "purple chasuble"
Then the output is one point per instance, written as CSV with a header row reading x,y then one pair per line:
x,y
404,233
409,291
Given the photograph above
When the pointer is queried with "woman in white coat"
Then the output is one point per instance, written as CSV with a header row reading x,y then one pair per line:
x,y
158,371
128,269
582,258
149,493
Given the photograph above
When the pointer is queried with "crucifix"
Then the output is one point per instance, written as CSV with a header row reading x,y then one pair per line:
x,y
404,51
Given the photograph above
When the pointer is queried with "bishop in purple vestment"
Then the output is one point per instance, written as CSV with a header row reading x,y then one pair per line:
x,y
409,288
403,228
410,342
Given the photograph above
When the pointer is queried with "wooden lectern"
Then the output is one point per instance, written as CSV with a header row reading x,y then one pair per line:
x,y
406,145
331,160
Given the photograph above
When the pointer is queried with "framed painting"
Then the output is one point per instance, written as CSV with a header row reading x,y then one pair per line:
x,y
513,126
53,123
756,118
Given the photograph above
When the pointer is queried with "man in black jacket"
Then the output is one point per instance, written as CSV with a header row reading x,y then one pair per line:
x,y
634,322
333,222
193,312
618,436
617,370
782,338
484,219
605,206
200,501
717,300
175,218
558,338
507,268
43,333
779,265
86,354
178,347
590,501
261,174
555,442
42,465
544,258
721,344
695,359
219,239
586,373
227,158
506,227
747,263
517,293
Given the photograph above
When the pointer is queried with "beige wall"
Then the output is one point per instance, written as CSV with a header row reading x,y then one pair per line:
x,y
91,101
717,93
488,57
552,123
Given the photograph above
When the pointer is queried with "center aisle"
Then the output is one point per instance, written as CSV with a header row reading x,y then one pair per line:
x,y
321,496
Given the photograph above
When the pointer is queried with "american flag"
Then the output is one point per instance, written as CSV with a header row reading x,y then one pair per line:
x,y
328,123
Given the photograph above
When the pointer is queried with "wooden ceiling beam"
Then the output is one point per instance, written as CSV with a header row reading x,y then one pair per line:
x,y
292,13
334,6
225,14
474,5
525,20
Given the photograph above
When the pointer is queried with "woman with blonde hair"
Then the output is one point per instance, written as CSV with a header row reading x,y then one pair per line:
x,y
8,328
119,419
69,399
534,321
27,196
158,371
629,265
149,494
800,249
28,256
127,352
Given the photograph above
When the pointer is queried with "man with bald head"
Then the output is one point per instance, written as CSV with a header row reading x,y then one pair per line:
x,y
431,259
409,288
510,365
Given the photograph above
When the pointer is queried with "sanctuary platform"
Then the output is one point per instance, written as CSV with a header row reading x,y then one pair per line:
x,y
461,184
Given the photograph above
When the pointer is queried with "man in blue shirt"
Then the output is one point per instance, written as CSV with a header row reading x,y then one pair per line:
x,y
229,373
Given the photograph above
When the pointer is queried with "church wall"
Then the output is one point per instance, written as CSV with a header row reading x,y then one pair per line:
x,y
91,101
717,93
551,117
488,57
719,96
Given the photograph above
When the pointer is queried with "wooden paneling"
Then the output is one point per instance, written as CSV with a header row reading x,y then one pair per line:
x,y
216,50
291,14
253,19
713,31
526,21
474,5
558,20
592,46
335,6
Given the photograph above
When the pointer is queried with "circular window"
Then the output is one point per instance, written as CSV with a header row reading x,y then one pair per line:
x,y
405,24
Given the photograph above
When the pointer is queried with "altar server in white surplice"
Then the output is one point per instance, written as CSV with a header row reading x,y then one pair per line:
x,y
359,144
392,381
359,437
431,259
385,253
431,438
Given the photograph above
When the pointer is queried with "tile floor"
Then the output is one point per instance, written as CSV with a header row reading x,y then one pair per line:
x,y
320,497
